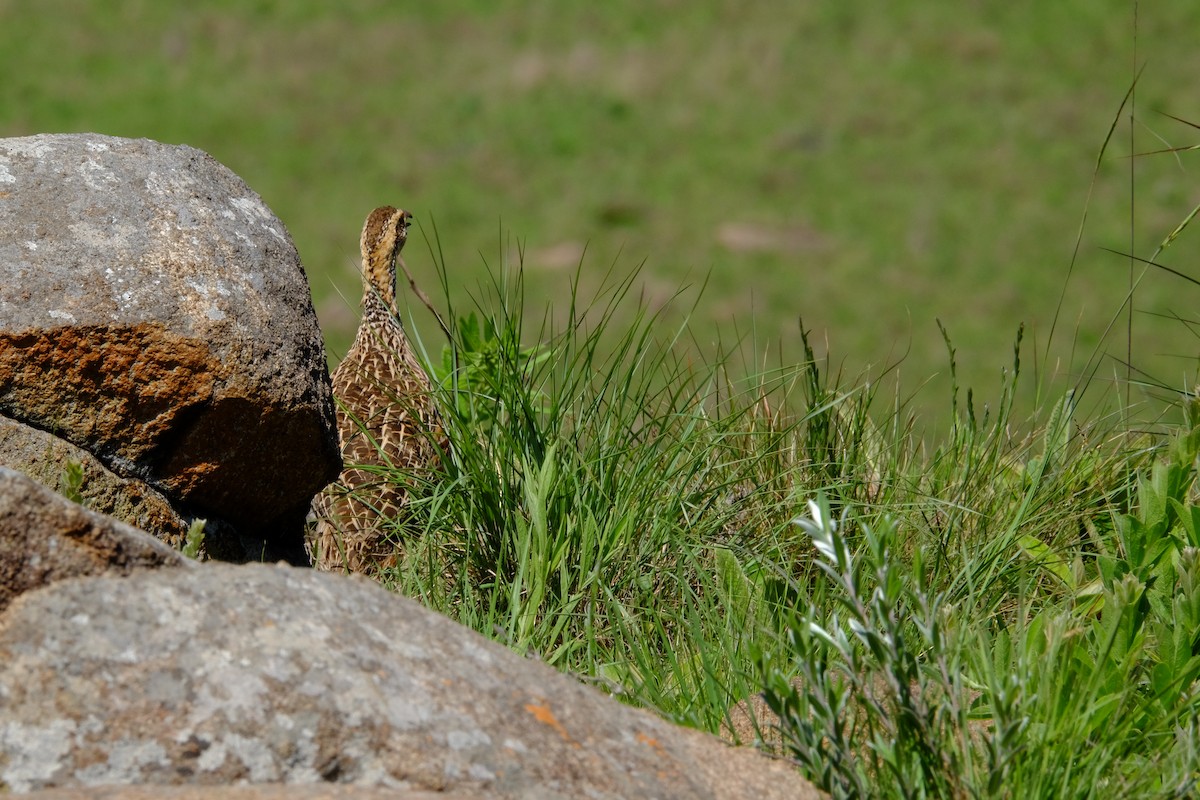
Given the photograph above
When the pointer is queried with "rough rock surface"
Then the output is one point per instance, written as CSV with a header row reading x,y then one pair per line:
x,y
154,312
45,458
265,674
262,791
45,538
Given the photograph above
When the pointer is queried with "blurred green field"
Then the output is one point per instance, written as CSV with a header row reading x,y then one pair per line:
x,y
868,167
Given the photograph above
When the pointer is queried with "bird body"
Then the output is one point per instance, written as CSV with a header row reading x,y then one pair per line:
x,y
385,416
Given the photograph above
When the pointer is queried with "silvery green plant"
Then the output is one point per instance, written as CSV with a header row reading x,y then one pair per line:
x,y
869,704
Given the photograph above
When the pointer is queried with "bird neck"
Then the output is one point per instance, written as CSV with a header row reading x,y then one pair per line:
x,y
378,309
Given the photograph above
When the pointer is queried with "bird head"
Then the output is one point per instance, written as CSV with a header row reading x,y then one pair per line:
x,y
383,236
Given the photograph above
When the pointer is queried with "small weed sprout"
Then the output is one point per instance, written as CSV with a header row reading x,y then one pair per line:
x,y
71,482
195,538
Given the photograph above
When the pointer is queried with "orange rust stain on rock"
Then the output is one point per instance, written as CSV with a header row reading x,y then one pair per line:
x,y
544,715
168,407
649,741
94,382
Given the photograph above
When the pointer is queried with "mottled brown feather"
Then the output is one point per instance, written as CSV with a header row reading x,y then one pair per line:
x,y
385,415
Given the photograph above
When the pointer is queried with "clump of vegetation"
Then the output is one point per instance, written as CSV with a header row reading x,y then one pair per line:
x,y
902,691
1014,611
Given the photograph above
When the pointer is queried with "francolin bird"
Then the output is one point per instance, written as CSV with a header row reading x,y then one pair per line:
x,y
385,415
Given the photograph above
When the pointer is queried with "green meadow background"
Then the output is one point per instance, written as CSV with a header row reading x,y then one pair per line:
x,y
866,167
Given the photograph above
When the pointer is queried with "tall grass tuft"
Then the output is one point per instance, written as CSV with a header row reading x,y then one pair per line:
x,y
607,499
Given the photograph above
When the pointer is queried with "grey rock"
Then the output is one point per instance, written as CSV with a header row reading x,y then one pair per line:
x,y
154,312
262,791
263,674
45,538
